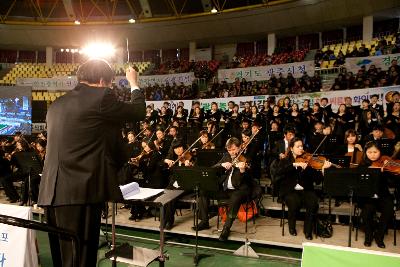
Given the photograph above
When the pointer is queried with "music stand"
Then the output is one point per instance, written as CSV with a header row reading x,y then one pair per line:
x,y
31,165
343,161
346,182
204,179
387,146
208,157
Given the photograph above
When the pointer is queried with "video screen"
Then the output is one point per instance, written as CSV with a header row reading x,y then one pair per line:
x,y
15,110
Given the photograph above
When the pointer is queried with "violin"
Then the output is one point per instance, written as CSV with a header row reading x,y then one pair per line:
x,y
315,162
388,164
208,145
186,156
135,160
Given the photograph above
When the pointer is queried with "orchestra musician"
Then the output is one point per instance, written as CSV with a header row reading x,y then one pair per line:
x,y
234,185
351,148
150,163
179,158
297,186
382,201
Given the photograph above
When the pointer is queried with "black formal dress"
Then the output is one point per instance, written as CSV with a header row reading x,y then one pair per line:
x,y
84,152
295,199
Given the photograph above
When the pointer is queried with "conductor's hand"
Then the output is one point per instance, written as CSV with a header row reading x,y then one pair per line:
x,y
282,156
132,77
226,165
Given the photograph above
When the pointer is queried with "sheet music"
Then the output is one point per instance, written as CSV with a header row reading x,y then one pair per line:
x,y
132,191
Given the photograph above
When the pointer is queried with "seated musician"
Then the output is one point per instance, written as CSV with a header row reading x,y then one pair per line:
x,y
297,186
204,142
179,158
162,143
150,164
351,148
234,182
382,201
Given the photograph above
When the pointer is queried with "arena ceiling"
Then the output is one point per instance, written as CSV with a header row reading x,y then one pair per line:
x,y
35,24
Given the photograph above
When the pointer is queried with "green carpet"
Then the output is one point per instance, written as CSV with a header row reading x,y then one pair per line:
x,y
219,258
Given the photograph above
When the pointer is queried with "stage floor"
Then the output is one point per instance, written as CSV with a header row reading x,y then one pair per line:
x,y
266,231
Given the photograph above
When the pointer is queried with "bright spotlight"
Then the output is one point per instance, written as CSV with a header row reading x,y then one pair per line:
x,y
77,22
214,10
62,50
67,50
99,50
132,20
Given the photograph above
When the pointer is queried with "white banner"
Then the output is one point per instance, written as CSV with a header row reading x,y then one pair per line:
x,y
145,81
69,83
17,245
50,84
263,73
353,64
335,98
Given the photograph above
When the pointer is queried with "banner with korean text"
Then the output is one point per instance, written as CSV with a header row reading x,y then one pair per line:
x,y
353,64
17,245
49,84
263,73
335,98
68,83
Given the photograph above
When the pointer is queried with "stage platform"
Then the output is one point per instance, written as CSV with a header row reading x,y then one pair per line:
x,y
265,231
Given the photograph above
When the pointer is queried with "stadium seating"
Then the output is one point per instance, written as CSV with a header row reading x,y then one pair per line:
x,y
41,70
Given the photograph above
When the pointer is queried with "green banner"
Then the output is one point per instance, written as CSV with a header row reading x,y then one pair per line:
x,y
318,255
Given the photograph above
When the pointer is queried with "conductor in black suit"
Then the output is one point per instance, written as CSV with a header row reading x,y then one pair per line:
x,y
84,152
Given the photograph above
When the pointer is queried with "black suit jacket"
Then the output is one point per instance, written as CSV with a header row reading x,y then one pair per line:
x,y
84,147
239,180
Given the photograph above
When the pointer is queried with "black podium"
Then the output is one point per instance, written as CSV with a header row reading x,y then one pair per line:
x,y
197,178
351,182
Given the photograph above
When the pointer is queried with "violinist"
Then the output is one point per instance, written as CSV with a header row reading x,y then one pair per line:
x,y
234,182
150,164
179,158
297,186
204,142
212,129
161,143
382,201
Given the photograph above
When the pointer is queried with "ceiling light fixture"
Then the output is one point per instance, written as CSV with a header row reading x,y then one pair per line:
x,y
214,10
